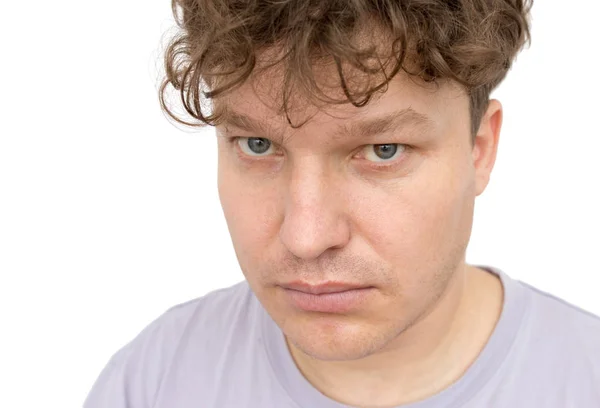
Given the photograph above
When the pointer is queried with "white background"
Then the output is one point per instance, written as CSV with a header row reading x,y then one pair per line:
x,y
109,214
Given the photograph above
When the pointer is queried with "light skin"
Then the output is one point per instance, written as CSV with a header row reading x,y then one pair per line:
x,y
321,204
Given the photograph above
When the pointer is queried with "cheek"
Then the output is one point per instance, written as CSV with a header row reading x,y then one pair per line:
x,y
420,225
251,212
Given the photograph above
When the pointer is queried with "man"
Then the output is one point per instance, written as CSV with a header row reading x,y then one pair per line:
x,y
353,138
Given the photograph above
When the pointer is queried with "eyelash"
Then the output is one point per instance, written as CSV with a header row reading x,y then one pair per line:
x,y
391,165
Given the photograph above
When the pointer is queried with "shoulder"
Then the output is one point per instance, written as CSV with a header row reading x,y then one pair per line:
x,y
560,343
574,325
553,351
134,374
210,313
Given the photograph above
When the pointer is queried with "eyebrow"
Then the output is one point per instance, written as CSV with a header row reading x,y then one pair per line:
x,y
243,122
362,128
371,127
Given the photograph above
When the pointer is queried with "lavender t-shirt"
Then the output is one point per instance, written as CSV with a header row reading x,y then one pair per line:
x,y
223,350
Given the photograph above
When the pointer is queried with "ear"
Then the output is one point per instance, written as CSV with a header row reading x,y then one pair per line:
x,y
485,145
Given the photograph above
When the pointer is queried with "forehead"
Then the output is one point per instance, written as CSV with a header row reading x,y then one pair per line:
x,y
256,106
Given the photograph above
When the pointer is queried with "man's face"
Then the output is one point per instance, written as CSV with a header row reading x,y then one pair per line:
x,y
339,201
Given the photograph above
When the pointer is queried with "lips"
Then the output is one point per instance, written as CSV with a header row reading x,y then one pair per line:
x,y
328,297
322,288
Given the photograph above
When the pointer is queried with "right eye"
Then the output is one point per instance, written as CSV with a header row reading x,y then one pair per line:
x,y
255,146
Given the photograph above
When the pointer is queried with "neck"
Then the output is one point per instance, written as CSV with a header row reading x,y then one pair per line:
x,y
434,352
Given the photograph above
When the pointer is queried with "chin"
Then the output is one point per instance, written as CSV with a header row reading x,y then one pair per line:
x,y
336,339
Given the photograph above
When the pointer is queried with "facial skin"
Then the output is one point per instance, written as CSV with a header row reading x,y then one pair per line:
x,y
320,205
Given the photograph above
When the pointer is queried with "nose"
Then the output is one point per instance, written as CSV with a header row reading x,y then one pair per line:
x,y
314,219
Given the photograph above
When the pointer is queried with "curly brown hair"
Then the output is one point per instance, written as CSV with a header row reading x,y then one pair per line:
x,y
471,42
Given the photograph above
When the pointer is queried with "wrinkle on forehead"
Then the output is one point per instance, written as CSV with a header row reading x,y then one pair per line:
x,y
363,128
254,108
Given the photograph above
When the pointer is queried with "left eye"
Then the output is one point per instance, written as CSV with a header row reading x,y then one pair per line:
x,y
383,152
255,146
